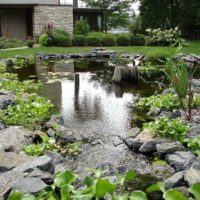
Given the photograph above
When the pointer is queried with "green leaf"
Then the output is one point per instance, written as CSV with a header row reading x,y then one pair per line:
x,y
64,178
195,190
156,187
44,137
122,197
83,197
65,192
138,195
174,195
104,186
28,197
16,196
130,175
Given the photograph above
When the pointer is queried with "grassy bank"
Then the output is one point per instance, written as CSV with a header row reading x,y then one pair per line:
x,y
194,47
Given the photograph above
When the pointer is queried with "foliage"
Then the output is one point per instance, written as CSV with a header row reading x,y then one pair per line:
x,y
137,40
73,149
98,188
108,40
30,42
93,41
148,69
110,8
60,31
174,129
21,61
29,111
28,86
81,27
159,101
123,40
158,161
167,14
180,78
119,20
39,149
193,144
157,37
7,42
78,40
61,40
45,40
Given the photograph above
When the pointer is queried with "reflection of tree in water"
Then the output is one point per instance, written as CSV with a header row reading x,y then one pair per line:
x,y
86,107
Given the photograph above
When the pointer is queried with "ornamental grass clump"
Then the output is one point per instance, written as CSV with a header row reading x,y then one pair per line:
x,y
181,79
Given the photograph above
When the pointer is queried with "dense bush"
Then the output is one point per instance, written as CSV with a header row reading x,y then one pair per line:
x,y
157,37
60,31
123,40
93,41
78,40
81,28
108,40
6,42
45,40
138,40
61,40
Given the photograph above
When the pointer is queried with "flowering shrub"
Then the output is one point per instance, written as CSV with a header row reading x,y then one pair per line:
x,y
157,37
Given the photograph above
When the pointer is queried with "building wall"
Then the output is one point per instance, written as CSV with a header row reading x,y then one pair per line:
x,y
29,2
13,23
61,17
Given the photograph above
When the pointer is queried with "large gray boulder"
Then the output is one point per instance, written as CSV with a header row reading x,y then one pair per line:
x,y
131,133
180,160
6,181
192,176
29,185
169,148
15,138
44,163
133,144
10,160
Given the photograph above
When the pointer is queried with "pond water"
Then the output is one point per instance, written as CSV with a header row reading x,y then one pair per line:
x,y
84,93
96,109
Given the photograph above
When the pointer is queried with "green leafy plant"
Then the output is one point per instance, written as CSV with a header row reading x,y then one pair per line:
x,y
78,40
61,40
108,40
181,78
73,149
39,149
81,27
29,111
123,40
174,129
137,40
193,144
159,101
92,40
8,42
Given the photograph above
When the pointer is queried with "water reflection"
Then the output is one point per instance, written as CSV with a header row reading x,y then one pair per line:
x,y
88,100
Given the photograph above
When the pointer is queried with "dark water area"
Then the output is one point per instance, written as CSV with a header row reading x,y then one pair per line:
x,y
84,93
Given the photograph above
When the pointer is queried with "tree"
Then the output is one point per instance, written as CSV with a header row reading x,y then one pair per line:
x,y
110,7
169,14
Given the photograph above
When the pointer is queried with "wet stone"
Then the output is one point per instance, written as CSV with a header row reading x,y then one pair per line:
x,y
133,144
180,160
131,134
192,176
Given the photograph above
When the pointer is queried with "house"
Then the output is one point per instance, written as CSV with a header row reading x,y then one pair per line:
x,y
22,18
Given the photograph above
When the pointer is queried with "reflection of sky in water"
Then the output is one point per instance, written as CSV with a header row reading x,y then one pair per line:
x,y
93,108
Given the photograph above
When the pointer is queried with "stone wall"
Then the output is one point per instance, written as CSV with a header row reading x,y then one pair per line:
x,y
60,15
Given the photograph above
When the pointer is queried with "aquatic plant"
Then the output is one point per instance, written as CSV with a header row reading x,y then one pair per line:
x,y
101,188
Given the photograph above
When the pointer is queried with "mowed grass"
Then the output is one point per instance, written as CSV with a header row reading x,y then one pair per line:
x,y
194,47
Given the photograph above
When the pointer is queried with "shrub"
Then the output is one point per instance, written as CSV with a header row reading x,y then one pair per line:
x,y
60,31
93,41
123,40
138,40
157,37
6,42
61,40
78,40
81,28
108,40
45,40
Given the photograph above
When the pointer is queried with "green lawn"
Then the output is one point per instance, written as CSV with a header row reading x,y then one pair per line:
x,y
194,47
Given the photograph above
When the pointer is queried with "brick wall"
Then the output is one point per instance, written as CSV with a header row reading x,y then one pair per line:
x,y
60,15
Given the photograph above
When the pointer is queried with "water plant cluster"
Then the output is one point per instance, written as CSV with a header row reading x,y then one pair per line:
x,y
98,187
